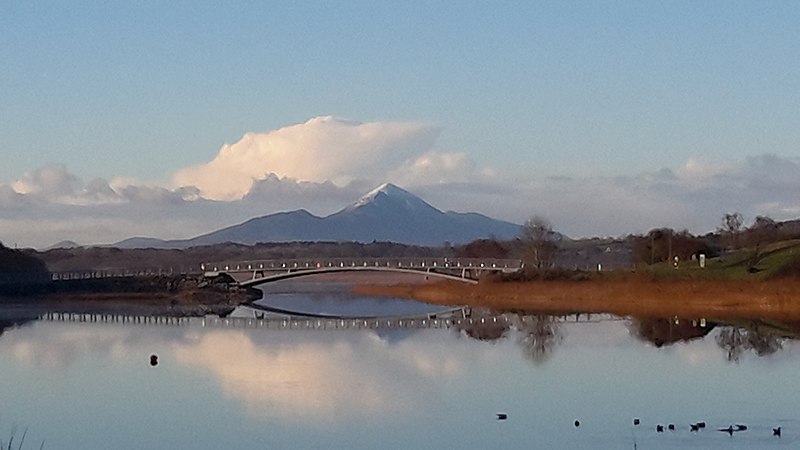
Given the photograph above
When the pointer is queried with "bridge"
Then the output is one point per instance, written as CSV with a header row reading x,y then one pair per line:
x,y
267,271
442,320
455,318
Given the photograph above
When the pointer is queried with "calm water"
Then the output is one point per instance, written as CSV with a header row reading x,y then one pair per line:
x,y
91,385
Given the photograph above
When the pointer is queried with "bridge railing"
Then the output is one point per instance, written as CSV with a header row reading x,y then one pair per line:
x,y
88,274
404,263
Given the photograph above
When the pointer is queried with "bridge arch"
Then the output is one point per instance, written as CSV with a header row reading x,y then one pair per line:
x,y
267,271
303,273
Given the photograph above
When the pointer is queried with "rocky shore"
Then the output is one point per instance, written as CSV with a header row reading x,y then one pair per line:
x,y
162,295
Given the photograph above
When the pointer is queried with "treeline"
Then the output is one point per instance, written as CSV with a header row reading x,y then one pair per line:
x,y
665,244
189,260
20,267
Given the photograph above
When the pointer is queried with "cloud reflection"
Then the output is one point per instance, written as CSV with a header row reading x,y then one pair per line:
x,y
320,380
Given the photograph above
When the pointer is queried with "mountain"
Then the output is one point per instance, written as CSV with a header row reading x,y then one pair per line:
x,y
388,213
62,245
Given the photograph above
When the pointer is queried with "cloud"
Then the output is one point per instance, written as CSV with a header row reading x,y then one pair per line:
x,y
693,197
319,150
51,180
51,204
434,167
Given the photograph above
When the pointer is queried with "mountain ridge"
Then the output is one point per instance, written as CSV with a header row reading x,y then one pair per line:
x,y
387,213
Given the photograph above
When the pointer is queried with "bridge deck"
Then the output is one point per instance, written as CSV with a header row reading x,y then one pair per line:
x,y
509,265
266,271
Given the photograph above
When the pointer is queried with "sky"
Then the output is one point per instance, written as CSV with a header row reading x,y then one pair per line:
x,y
174,119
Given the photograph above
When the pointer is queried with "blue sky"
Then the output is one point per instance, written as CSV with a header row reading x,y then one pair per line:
x,y
529,90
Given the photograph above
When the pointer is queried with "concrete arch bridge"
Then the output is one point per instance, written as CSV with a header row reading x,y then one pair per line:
x,y
254,273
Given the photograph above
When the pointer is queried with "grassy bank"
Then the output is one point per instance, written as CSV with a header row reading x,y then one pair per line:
x,y
731,286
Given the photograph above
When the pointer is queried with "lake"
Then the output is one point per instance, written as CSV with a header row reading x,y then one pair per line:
x,y
394,374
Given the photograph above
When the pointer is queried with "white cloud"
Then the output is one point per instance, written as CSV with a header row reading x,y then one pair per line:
x,y
319,150
52,180
51,204
434,167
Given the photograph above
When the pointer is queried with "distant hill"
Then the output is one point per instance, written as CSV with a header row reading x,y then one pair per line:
x,y
62,244
388,213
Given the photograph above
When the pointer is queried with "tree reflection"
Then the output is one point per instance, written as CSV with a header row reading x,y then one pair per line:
x,y
737,340
485,326
539,336
733,342
660,331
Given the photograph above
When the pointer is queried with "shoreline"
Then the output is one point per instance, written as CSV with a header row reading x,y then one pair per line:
x,y
775,299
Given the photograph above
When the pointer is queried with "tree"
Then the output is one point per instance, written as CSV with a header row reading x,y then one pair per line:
x,y
764,231
538,242
663,244
731,228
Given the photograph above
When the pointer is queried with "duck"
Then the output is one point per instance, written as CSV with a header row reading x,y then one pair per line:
x,y
776,431
728,430
502,416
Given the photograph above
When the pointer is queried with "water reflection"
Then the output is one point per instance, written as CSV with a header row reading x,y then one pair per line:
x,y
364,387
661,331
540,335
536,334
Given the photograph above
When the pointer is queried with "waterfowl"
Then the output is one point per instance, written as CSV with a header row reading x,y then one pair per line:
x,y
577,423
776,431
728,430
502,416
659,428
671,427
636,421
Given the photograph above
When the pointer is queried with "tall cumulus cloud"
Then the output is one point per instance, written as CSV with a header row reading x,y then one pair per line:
x,y
319,150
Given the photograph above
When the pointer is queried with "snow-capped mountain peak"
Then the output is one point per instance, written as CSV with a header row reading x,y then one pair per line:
x,y
394,197
387,213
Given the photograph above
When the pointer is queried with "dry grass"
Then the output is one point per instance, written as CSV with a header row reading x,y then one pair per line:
x,y
776,299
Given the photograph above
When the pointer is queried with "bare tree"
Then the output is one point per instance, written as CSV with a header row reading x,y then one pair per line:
x,y
538,242
732,228
763,232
